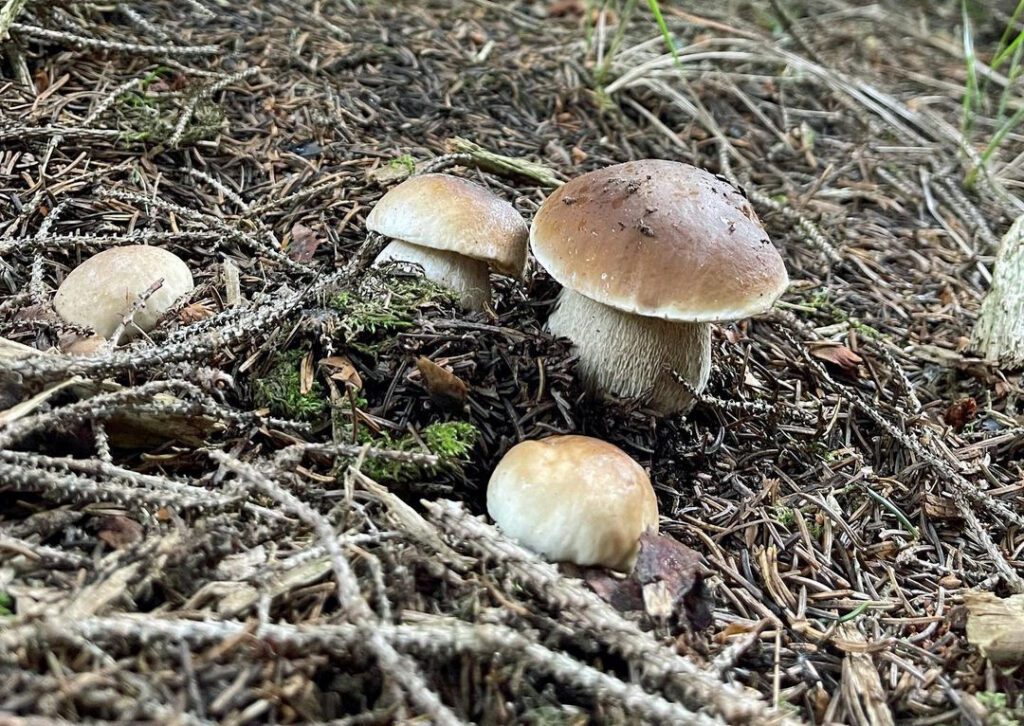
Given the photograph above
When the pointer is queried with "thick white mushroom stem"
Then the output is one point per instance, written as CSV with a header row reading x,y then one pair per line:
x,y
466,276
633,356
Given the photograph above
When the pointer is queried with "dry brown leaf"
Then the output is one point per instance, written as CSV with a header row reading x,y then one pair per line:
x,y
561,8
731,630
960,413
303,244
623,594
342,370
306,379
445,388
195,312
839,356
669,573
120,532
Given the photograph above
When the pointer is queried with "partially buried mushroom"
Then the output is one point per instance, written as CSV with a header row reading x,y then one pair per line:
x,y
452,228
574,499
101,291
649,253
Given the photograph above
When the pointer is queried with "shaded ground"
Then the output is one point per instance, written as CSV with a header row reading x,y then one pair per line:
x,y
850,474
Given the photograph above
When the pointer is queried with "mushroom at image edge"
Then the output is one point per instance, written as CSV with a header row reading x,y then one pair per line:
x,y
574,499
453,228
649,253
100,291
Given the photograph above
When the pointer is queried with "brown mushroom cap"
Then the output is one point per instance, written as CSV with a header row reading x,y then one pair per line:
x,y
445,212
573,499
661,239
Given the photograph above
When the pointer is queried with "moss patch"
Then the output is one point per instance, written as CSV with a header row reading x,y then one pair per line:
x,y
280,390
383,306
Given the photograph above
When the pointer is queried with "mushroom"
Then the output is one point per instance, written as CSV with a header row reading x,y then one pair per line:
x,y
453,228
102,290
574,499
649,253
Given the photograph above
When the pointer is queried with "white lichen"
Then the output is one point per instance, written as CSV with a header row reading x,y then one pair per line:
x,y
468,277
633,356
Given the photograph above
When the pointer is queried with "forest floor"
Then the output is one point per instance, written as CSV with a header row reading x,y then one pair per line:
x,y
192,528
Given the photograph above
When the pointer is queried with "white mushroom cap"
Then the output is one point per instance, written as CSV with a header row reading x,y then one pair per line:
x,y
445,212
100,292
574,499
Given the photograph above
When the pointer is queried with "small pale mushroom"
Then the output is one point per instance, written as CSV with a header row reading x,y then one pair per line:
x,y
574,499
452,228
101,291
649,253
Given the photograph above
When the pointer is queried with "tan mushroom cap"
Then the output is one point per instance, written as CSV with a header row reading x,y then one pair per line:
x,y
100,291
573,499
661,239
445,212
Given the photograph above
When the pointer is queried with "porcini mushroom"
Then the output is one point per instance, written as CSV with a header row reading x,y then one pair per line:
x,y
649,253
452,228
573,499
101,291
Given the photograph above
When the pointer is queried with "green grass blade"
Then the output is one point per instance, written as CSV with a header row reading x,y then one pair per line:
x,y
1005,49
896,511
971,98
1011,79
665,32
997,139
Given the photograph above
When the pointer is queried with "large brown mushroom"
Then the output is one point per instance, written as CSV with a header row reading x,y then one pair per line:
x,y
649,253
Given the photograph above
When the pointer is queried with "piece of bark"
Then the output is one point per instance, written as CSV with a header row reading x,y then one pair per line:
x,y
996,626
999,332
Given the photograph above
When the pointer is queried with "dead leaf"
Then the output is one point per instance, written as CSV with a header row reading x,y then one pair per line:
x,y
669,573
731,630
839,356
960,413
342,370
561,8
303,244
446,389
950,582
306,374
42,312
996,626
195,312
120,532
42,80
623,594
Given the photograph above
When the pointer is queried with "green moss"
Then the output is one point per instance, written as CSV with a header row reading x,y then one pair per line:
x,y
451,442
280,390
151,118
383,306
782,515
404,162
6,604
820,301
999,710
